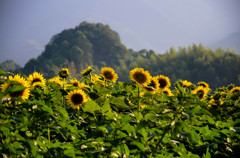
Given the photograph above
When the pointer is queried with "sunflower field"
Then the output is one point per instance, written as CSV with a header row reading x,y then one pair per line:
x,y
99,116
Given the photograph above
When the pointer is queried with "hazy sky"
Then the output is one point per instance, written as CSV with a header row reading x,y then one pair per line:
x,y
27,25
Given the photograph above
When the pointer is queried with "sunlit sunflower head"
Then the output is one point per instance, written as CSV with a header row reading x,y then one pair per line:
x,y
24,94
74,82
96,79
203,84
109,74
201,92
87,71
64,73
76,98
141,77
57,80
153,86
83,85
186,84
36,79
235,90
143,106
167,91
163,81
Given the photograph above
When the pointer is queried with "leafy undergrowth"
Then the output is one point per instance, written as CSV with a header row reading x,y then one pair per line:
x,y
117,120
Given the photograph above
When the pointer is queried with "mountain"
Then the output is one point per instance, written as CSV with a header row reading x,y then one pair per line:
x,y
231,42
77,48
9,66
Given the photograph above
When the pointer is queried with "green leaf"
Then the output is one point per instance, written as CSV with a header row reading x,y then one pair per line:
x,y
195,137
210,120
150,116
91,107
63,113
126,150
14,88
47,109
106,107
69,152
208,155
138,144
118,102
2,73
138,115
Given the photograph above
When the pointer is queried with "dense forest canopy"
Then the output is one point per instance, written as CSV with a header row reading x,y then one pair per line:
x,y
96,45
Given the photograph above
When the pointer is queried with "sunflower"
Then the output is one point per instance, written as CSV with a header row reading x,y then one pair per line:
x,y
235,90
96,79
36,79
57,80
87,71
186,84
83,85
24,94
141,77
163,81
167,91
204,85
74,82
153,86
201,92
64,73
76,98
109,74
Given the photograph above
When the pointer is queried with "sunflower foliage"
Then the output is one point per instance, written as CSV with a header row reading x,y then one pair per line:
x,y
98,116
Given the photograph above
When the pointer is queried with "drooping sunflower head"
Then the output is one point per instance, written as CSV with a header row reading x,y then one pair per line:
x,y
164,82
64,73
18,80
109,74
201,92
203,84
57,80
141,77
235,90
36,79
87,71
153,86
167,91
96,79
186,84
83,85
76,98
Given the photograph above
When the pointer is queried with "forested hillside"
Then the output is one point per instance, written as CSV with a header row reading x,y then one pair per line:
x,y
96,45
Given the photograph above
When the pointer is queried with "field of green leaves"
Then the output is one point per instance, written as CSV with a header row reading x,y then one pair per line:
x,y
99,116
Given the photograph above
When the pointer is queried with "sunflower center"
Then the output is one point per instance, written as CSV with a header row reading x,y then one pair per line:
x,y
201,84
64,73
200,94
162,83
108,75
235,91
166,92
151,86
77,99
140,77
75,84
36,80
16,94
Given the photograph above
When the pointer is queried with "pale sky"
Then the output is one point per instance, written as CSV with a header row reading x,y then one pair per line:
x,y
27,25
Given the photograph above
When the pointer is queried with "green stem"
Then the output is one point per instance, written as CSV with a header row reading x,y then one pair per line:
x,y
63,96
49,135
138,99
169,126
